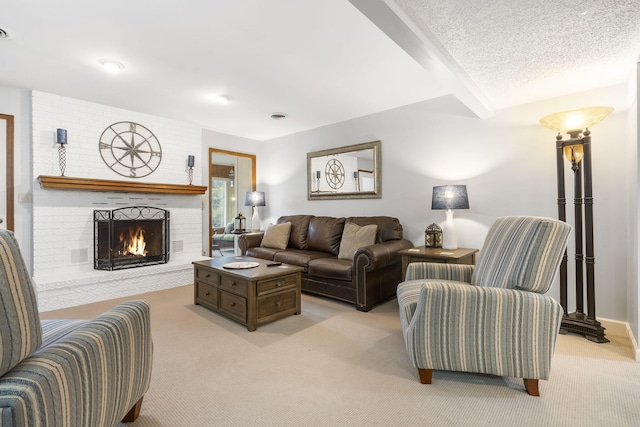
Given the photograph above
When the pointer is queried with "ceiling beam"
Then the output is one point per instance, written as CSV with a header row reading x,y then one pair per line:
x,y
427,51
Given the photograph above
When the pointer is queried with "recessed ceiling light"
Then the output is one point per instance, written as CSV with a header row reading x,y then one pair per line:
x,y
6,33
278,116
222,99
111,65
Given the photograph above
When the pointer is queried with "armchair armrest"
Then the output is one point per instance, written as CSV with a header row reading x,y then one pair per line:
x,y
439,271
450,319
93,375
380,254
250,240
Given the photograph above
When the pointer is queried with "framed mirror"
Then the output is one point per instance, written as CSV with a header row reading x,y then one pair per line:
x,y
231,175
350,172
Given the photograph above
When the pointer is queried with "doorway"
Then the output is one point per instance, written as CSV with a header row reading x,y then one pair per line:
x,y
231,176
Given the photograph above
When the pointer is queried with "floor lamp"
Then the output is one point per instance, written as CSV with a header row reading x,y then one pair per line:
x,y
577,150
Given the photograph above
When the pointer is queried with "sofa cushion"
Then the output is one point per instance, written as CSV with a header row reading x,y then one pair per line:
x,y
276,236
355,237
20,331
299,257
299,230
389,228
331,268
325,234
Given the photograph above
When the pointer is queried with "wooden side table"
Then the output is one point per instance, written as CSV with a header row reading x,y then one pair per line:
x,y
447,256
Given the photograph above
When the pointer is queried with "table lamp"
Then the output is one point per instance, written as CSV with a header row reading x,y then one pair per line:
x,y
449,197
255,199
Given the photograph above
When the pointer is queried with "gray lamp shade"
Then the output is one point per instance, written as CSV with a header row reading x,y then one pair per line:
x,y
450,197
254,198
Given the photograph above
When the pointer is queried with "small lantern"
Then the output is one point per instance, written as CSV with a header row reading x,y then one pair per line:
x,y
239,223
433,236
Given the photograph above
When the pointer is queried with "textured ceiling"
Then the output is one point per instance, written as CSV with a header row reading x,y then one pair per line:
x,y
318,61
518,51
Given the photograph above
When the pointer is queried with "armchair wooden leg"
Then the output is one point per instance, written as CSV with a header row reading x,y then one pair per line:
x,y
134,412
425,375
531,386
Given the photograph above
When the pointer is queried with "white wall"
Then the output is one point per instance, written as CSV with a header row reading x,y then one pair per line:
x,y
507,163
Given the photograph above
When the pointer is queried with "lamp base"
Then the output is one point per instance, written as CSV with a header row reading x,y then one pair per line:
x,y
449,235
579,323
255,219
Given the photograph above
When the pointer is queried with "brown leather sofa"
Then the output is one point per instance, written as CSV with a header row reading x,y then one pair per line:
x,y
314,242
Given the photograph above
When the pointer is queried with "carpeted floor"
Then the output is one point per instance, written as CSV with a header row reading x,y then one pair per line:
x,y
335,366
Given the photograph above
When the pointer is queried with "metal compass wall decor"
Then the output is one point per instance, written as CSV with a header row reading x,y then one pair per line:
x,y
334,172
130,149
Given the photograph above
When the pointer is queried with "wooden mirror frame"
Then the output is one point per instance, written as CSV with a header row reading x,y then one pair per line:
x,y
9,165
212,151
376,173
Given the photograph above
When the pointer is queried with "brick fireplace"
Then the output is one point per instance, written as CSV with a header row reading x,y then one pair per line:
x,y
63,218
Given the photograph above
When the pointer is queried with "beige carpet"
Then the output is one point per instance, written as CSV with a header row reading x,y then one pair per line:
x,y
335,366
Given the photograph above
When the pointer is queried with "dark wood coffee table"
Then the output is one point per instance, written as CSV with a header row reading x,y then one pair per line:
x,y
251,296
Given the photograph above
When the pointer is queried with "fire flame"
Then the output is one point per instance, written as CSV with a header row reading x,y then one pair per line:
x,y
134,244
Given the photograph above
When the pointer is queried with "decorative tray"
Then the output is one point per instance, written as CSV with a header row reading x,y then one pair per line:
x,y
240,265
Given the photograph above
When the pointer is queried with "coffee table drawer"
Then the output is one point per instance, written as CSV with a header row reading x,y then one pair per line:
x,y
276,303
278,283
206,275
207,294
233,285
234,305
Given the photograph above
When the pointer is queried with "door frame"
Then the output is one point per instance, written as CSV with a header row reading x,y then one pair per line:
x,y
212,151
9,166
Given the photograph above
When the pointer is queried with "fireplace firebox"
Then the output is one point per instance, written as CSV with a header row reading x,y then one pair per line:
x,y
130,237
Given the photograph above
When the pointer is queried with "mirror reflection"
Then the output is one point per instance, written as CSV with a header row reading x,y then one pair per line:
x,y
349,172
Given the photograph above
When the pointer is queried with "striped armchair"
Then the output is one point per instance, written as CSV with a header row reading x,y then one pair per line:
x,y
67,373
491,318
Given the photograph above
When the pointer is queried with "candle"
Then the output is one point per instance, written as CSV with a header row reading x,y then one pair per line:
x,y
191,160
317,174
61,136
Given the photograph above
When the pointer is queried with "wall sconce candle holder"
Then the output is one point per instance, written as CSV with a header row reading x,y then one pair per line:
x,y
61,140
190,163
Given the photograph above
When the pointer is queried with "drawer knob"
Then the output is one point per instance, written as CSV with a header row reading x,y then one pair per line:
x,y
279,284
206,294
278,304
232,304
207,275
233,283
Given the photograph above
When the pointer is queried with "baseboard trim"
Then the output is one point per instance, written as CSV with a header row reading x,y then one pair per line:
x,y
632,340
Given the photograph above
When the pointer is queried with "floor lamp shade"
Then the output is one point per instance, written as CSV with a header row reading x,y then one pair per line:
x,y
449,197
255,199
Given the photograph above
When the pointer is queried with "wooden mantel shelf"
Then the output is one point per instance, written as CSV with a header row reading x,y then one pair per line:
x,y
88,184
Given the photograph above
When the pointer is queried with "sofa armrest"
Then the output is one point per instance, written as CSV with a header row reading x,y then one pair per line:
x,y
93,375
380,254
250,240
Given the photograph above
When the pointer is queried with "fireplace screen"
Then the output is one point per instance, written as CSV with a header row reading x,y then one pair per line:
x,y
130,237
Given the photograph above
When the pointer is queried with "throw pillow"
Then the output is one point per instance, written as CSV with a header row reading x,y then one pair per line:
x,y
229,228
276,236
355,237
